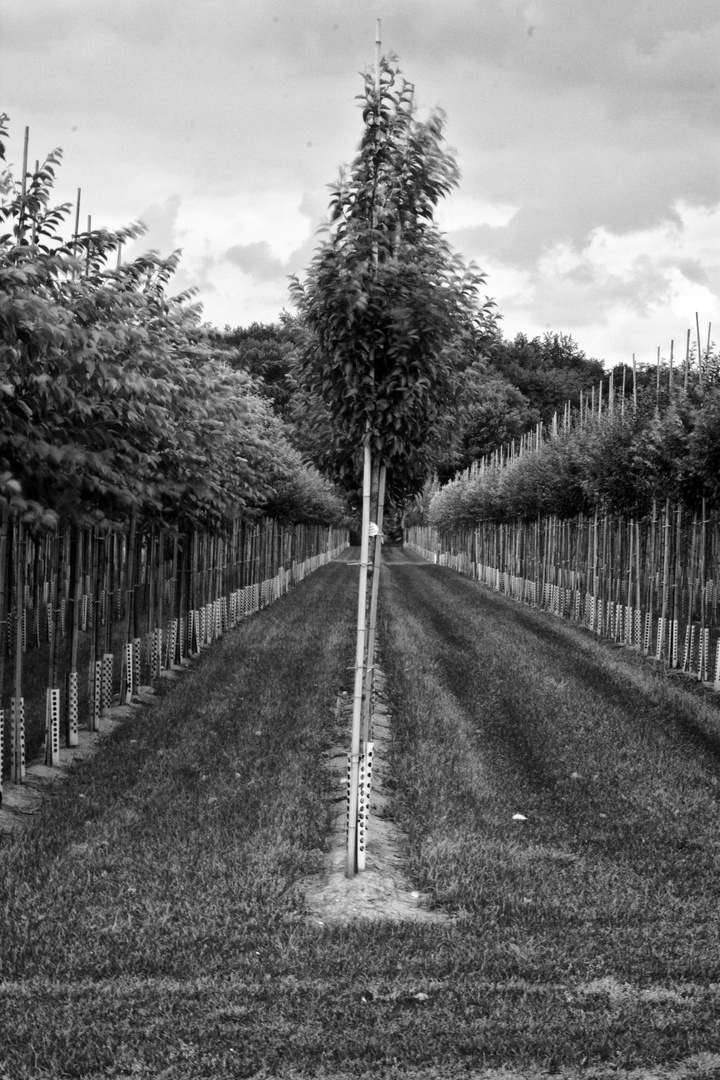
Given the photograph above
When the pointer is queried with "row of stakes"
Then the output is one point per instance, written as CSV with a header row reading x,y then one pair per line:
x,y
203,626
620,622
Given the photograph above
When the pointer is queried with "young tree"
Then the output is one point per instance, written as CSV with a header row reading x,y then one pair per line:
x,y
391,316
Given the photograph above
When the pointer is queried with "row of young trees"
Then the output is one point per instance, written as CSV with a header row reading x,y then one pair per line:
x,y
620,463
114,397
138,471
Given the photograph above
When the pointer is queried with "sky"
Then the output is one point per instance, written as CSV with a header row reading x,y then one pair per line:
x,y
587,134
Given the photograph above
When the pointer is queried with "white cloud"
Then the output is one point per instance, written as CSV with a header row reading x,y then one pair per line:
x,y
588,137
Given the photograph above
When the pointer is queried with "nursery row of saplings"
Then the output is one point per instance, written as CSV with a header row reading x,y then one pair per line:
x,y
122,605
651,583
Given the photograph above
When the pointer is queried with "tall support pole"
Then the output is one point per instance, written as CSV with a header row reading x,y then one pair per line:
x,y
351,865
369,672
17,703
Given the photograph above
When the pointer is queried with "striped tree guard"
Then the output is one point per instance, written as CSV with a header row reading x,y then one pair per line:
x,y
157,651
17,739
172,643
96,677
71,708
364,785
107,678
52,727
137,664
647,643
660,638
195,632
128,676
703,659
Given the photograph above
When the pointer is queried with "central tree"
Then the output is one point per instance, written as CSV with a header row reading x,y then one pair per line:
x,y
392,315
391,318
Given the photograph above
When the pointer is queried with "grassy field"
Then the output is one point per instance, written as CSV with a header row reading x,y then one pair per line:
x,y
152,924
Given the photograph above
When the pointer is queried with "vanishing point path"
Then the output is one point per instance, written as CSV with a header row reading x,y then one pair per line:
x,y
555,799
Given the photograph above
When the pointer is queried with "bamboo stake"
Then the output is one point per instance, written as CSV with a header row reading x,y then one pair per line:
x,y
351,864
662,634
71,684
676,589
700,366
127,681
375,588
704,659
17,703
23,186
638,590
76,233
4,577
52,719
33,237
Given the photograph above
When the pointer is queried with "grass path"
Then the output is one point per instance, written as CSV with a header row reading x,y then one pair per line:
x,y
153,924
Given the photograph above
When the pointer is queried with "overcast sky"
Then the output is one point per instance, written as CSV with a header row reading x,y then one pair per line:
x,y
587,132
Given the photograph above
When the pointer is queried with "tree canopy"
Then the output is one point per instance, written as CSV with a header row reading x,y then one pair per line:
x,y
114,397
390,316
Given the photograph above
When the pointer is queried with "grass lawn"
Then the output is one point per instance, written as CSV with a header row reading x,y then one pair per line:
x,y
152,924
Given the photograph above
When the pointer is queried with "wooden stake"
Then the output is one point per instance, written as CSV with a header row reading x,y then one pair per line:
x,y
23,186
77,228
87,255
370,667
351,862
700,366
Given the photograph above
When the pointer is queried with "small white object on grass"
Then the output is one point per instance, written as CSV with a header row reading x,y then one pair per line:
x,y
519,817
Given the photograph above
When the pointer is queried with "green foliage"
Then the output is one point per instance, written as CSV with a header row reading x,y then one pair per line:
x,y
113,396
305,496
390,315
618,464
548,370
267,352
491,413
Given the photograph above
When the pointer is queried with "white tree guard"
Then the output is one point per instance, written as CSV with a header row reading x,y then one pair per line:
x,y
52,727
71,704
17,739
364,786
107,681
137,663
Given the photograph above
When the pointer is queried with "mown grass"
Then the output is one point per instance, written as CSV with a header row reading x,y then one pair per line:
x,y
153,924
